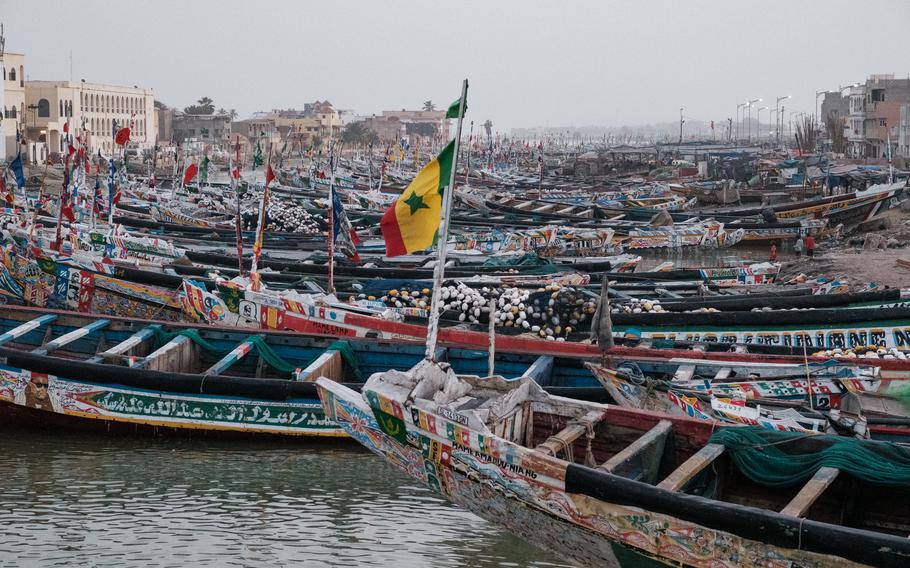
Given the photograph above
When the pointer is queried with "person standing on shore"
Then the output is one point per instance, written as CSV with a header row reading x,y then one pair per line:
x,y
810,246
799,245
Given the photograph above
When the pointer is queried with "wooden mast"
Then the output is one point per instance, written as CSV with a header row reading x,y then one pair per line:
x,y
439,269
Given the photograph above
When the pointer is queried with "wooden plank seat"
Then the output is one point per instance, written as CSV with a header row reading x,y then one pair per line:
x,y
640,460
70,337
812,490
691,467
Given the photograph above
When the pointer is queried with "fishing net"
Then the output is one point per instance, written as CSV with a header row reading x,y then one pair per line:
x,y
265,351
781,459
527,259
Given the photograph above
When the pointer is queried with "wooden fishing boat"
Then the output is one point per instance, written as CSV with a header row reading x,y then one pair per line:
x,y
818,396
119,374
591,482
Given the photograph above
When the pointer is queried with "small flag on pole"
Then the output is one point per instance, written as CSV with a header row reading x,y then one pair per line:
x,y
123,136
343,234
190,173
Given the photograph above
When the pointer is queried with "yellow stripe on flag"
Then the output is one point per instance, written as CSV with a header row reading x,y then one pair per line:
x,y
419,208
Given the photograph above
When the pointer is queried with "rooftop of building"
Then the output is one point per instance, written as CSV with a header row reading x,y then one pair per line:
x,y
89,86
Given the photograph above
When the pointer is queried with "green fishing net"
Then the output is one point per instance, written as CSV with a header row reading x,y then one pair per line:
x,y
782,459
265,351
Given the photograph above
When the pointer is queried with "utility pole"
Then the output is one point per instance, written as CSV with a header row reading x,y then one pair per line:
x,y
779,124
738,120
681,122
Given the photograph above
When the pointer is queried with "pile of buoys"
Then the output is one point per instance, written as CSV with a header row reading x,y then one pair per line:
x,y
557,311
638,306
285,218
551,312
863,352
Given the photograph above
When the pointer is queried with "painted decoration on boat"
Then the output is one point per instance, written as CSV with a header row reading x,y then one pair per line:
x,y
54,394
201,305
760,273
546,241
74,289
707,233
479,468
861,335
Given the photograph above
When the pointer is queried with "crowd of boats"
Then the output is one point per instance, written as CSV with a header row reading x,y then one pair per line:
x,y
697,416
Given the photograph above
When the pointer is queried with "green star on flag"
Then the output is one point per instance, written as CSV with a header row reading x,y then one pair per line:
x,y
415,202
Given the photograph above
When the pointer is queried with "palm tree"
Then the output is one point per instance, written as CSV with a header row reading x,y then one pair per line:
x,y
429,106
233,113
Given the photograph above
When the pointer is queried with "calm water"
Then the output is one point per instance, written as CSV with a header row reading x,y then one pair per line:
x,y
95,500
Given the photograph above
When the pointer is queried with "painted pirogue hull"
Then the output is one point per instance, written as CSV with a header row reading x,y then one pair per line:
x,y
88,405
489,475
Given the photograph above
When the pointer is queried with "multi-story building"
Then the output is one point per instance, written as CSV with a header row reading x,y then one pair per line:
x,y
90,108
875,116
210,129
417,118
884,97
856,103
903,133
12,100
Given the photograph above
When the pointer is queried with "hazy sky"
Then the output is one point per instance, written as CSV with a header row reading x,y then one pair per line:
x,y
530,63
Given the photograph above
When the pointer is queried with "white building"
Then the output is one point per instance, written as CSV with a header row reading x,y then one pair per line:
x,y
90,109
12,100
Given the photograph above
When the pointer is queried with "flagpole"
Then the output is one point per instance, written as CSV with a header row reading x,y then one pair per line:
x,y
236,182
331,224
31,230
442,240
260,224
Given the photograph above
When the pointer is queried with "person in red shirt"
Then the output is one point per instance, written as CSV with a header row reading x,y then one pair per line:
x,y
810,246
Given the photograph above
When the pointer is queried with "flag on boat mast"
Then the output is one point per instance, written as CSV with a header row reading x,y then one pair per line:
x,y
343,234
190,173
412,222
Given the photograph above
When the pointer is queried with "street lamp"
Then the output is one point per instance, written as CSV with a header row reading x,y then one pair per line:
x,y
779,123
750,103
739,106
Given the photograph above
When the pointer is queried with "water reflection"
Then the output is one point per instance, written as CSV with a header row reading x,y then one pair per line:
x,y
102,501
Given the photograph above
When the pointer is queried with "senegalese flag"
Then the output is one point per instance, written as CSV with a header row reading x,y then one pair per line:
x,y
411,224
452,111
204,175
257,155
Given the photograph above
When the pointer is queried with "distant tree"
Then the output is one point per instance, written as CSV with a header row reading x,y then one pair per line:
x,y
233,113
358,133
204,105
222,110
160,105
835,130
429,106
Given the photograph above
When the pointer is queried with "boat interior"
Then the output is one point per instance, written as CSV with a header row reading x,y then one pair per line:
x,y
677,455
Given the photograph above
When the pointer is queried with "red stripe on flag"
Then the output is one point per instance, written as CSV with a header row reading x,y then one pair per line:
x,y
391,232
190,173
